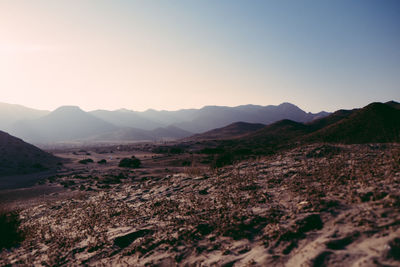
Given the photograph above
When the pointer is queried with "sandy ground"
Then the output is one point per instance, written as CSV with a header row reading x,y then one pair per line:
x,y
319,205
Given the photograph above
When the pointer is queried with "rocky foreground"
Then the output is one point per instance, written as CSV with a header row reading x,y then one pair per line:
x,y
335,205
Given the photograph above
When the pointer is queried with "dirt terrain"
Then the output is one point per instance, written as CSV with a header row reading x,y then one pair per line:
x,y
316,205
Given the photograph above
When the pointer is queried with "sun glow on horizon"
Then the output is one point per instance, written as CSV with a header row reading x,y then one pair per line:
x,y
173,55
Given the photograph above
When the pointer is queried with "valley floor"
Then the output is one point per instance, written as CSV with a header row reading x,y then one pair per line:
x,y
316,205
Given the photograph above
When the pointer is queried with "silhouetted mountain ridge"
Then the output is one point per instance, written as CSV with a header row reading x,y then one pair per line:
x,y
211,117
19,157
70,123
233,130
375,123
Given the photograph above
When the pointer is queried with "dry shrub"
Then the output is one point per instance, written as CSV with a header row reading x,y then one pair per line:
x,y
194,171
10,233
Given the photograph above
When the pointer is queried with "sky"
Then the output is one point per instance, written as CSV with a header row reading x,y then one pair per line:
x,y
169,55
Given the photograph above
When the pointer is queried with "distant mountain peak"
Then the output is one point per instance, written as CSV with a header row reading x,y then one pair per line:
x,y
393,104
375,106
68,109
124,110
287,105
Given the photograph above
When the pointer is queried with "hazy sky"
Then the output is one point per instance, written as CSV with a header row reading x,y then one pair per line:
x,y
320,55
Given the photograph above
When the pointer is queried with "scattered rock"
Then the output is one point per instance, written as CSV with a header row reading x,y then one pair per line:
x,y
126,240
310,222
394,249
341,243
322,259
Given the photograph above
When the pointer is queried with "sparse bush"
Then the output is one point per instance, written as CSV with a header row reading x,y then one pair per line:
x,y
102,161
67,184
247,200
176,150
211,151
86,161
168,150
186,163
221,160
9,229
194,171
394,249
132,162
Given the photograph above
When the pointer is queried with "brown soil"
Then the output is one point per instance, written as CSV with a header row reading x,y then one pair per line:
x,y
316,205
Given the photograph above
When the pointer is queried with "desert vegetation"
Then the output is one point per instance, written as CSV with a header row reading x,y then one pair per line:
x,y
132,162
10,232
314,204
85,161
286,194
152,135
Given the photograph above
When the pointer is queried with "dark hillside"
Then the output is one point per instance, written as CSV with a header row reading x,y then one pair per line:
x,y
331,119
18,157
375,123
233,130
393,104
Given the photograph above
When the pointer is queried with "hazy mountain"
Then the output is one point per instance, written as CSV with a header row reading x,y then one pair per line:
x,y
233,130
18,157
127,118
171,132
376,122
165,118
134,134
9,114
206,118
320,115
122,134
212,117
70,123
63,124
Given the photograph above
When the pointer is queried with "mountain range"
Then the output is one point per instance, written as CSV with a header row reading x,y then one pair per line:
x,y
70,123
374,123
10,113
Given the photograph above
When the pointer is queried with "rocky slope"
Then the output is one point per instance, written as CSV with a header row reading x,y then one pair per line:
x,y
316,205
231,131
374,123
377,122
19,157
